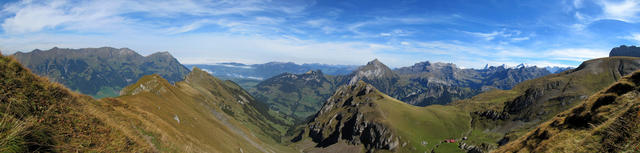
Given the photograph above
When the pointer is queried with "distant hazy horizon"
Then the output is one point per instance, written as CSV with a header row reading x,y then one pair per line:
x,y
399,33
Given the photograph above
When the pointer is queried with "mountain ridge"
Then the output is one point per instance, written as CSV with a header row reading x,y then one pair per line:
x,y
504,115
100,72
607,121
201,113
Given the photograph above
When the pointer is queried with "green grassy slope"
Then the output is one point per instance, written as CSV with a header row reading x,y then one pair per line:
x,y
431,124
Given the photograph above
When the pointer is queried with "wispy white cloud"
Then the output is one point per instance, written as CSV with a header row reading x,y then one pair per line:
x,y
517,39
255,31
576,54
578,3
626,10
513,35
634,37
356,28
621,10
486,36
97,16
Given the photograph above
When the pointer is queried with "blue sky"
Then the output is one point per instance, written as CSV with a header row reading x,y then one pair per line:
x,y
399,33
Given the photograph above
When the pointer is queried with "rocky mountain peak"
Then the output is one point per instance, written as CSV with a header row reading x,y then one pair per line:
x,y
625,51
126,51
372,71
343,117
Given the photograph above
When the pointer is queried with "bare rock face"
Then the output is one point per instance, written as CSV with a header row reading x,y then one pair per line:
x,y
346,116
492,114
623,50
373,70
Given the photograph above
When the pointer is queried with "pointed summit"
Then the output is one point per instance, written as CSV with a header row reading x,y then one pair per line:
x,y
374,61
372,71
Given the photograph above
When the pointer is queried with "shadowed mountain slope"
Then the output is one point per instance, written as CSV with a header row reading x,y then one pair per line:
x,y
100,72
623,50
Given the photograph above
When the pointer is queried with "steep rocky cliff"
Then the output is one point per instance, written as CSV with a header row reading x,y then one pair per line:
x,y
623,50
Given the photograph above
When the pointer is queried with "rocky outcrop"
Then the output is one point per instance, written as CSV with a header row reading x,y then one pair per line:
x,y
623,50
475,149
532,97
372,71
492,114
345,117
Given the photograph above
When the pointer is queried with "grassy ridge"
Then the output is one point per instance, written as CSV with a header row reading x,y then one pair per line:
x,y
201,114
608,121
38,116
532,102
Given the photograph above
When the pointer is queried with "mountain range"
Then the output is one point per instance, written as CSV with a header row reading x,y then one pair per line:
x,y
249,75
294,97
100,72
199,114
594,107
495,120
